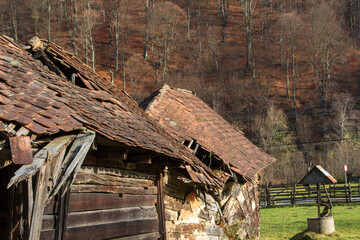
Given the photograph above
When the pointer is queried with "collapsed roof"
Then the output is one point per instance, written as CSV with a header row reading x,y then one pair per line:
x,y
42,97
188,118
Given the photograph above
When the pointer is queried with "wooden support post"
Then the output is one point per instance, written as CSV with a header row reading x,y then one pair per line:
x,y
161,205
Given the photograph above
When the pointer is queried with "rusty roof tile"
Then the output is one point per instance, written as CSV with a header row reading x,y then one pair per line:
x,y
4,100
36,128
46,122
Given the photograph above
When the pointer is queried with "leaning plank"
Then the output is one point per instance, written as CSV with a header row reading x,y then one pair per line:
x,y
111,230
110,215
40,199
73,160
49,151
114,189
95,201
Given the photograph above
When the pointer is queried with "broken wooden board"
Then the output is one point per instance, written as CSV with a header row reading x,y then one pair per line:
x,y
50,151
73,160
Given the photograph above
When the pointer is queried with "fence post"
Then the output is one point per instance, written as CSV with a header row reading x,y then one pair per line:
x,y
350,192
293,195
346,195
267,194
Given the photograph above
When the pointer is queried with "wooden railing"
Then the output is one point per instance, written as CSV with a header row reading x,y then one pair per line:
x,y
299,194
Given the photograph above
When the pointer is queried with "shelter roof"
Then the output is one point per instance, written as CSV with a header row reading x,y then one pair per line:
x,y
35,97
187,117
317,175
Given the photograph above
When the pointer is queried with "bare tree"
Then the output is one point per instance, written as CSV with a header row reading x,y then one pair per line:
x,y
167,24
344,108
324,47
14,21
87,21
48,18
118,17
290,24
70,12
223,6
248,7
148,4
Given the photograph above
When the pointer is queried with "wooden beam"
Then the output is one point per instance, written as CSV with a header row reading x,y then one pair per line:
x,y
95,201
141,159
93,188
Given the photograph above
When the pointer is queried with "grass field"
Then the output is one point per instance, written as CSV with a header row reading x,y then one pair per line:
x,y
290,222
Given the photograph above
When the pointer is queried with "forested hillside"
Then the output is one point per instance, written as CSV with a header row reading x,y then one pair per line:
x,y
285,72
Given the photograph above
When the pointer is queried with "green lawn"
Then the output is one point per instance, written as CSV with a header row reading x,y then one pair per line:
x,y
290,222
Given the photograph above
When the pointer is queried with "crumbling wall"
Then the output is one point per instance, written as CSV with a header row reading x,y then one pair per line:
x,y
234,212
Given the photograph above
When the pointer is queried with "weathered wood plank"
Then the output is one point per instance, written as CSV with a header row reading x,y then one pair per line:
x,y
112,230
109,179
88,188
50,151
95,201
51,207
146,236
111,215
47,234
48,222
116,172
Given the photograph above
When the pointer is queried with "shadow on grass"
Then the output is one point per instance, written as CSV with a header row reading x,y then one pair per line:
x,y
306,235
302,236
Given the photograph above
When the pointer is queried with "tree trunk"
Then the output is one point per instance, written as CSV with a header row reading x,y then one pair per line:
x,y
293,80
287,76
116,46
14,18
48,20
123,58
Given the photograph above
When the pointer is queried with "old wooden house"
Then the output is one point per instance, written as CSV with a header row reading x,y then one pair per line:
x,y
226,151
80,160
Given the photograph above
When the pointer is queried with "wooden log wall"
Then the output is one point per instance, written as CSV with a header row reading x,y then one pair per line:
x,y
107,203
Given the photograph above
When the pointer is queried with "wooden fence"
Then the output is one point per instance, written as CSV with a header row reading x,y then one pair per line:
x,y
299,194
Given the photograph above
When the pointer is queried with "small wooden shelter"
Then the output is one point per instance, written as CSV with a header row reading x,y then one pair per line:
x,y
78,158
223,149
324,223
